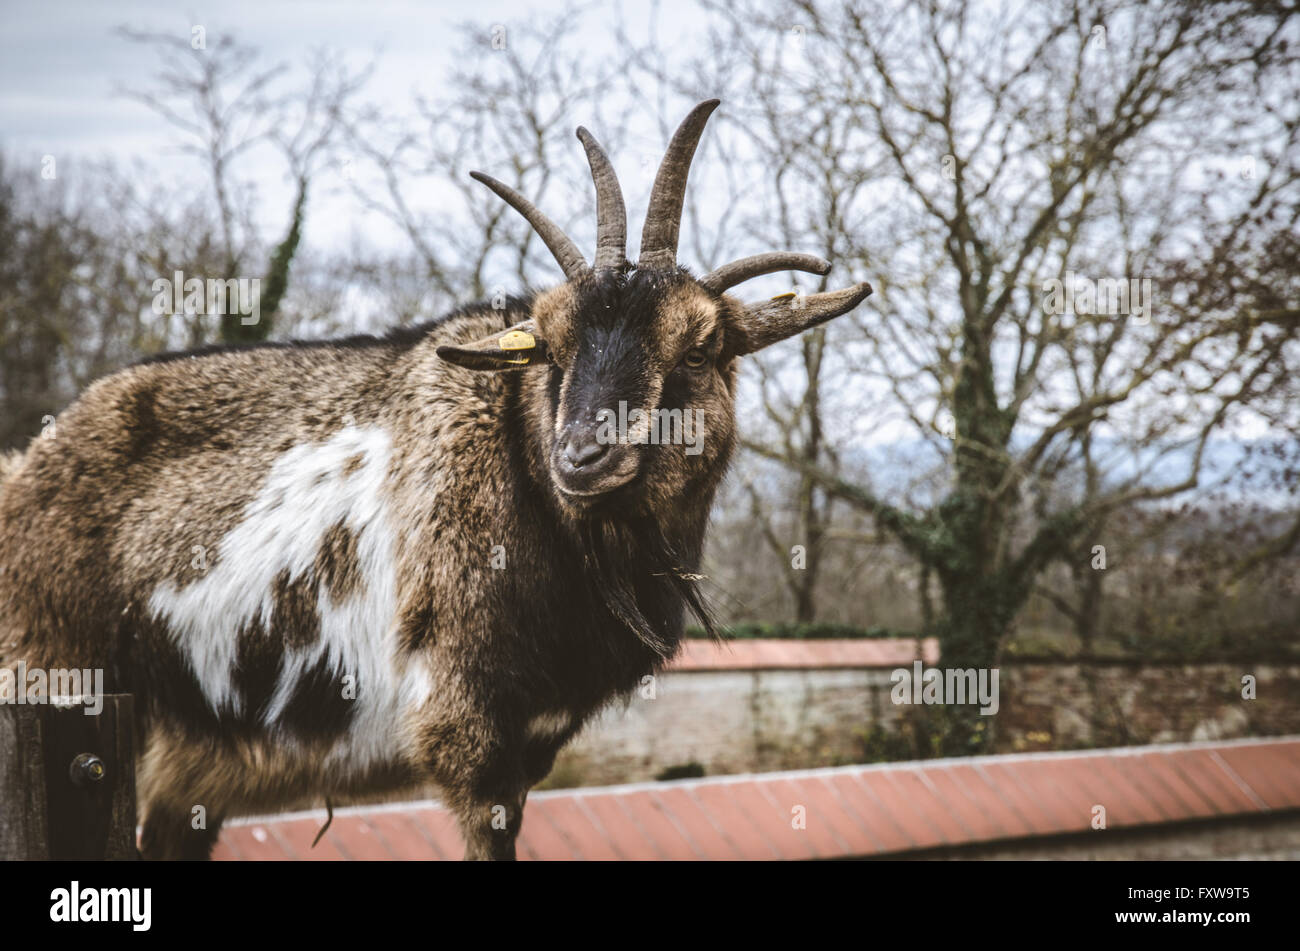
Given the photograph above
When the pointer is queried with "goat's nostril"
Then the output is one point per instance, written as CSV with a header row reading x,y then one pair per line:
x,y
582,451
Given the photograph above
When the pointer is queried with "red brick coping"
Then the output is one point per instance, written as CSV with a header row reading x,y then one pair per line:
x,y
777,654
847,811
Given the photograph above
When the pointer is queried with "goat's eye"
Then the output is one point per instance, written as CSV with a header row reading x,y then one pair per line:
x,y
695,358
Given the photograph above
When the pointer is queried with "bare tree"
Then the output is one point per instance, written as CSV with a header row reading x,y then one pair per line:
x,y
1008,147
224,102
515,90
79,252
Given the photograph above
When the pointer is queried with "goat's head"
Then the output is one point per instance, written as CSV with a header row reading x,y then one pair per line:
x,y
638,403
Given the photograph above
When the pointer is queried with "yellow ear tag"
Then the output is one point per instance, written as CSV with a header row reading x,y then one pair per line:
x,y
518,340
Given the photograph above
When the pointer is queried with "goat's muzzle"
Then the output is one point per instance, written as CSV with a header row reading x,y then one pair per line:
x,y
585,466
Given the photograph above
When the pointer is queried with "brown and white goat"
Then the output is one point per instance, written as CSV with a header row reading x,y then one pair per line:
x,y
351,566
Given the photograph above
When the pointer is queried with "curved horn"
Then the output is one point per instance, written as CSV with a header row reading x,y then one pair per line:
x,y
787,314
663,217
729,275
562,247
611,214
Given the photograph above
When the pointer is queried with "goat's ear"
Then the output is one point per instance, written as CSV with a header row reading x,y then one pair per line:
x,y
766,323
511,349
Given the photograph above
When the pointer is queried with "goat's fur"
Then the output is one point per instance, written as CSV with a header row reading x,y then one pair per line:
x,y
349,567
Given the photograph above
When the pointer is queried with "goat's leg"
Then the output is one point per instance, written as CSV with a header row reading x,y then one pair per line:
x,y
169,834
490,825
182,813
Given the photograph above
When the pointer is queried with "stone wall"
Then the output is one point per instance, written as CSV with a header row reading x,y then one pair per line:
x,y
1053,705
731,721
738,721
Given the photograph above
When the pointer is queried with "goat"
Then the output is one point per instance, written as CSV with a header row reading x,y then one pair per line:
x,y
350,567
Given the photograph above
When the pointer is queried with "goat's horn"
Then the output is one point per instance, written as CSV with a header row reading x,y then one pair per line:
x,y
611,214
729,275
561,245
785,315
663,217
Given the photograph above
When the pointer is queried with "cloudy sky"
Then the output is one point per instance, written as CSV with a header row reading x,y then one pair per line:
x,y
62,66
64,71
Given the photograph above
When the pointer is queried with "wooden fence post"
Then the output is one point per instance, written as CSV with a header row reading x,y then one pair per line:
x,y
67,781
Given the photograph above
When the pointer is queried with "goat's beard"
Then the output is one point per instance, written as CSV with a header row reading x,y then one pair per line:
x,y
645,579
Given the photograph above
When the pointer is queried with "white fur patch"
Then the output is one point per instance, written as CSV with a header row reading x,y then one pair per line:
x,y
305,493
